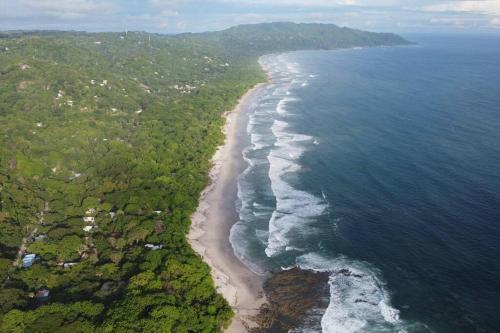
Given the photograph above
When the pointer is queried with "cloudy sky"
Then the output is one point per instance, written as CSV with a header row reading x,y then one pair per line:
x,y
172,16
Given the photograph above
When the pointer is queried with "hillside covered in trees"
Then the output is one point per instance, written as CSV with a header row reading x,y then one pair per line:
x,y
105,146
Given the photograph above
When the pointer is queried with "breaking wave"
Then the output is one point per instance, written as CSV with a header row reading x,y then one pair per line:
x,y
359,300
295,209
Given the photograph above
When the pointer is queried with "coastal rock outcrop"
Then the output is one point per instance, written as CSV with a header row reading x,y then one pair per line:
x,y
292,295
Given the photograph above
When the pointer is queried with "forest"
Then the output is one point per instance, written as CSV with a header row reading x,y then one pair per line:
x,y
105,146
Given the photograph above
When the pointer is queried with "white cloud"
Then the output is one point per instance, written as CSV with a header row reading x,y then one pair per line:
x,y
491,7
270,3
301,3
58,9
495,22
453,21
159,4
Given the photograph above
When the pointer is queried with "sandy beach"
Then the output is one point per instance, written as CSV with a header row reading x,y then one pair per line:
x,y
216,213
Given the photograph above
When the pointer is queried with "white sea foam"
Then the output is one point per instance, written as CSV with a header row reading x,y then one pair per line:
x,y
293,248
262,235
390,314
239,235
247,235
359,301
292,67
260,214
295,209
281,108
258,141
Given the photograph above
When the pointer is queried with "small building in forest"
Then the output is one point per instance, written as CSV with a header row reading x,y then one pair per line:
x,y
40,238
154,247
89,228
29,260
89,219
42,295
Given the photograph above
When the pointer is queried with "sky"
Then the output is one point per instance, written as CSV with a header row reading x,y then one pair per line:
x,y
174,16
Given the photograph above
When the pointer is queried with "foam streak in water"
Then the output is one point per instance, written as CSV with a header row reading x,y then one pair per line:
x,y
295,209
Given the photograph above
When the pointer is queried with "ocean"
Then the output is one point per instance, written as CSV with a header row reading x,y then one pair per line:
x,y
381,166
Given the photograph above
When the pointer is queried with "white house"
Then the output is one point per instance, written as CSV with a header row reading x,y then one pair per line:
x,y
154,247
89,219
28,260
75,175
89,228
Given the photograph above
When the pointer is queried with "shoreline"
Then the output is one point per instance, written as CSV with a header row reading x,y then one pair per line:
x,y
216,213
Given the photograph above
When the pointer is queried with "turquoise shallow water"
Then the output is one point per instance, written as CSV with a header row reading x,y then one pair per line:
x,y
384,162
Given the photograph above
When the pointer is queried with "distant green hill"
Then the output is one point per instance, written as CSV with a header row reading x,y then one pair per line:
x,y
258,39
105,146
264,38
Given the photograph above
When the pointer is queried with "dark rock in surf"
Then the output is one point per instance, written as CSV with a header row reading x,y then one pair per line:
x,y
291,296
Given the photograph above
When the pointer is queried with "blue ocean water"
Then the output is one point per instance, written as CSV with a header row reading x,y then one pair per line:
x,y
382,167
